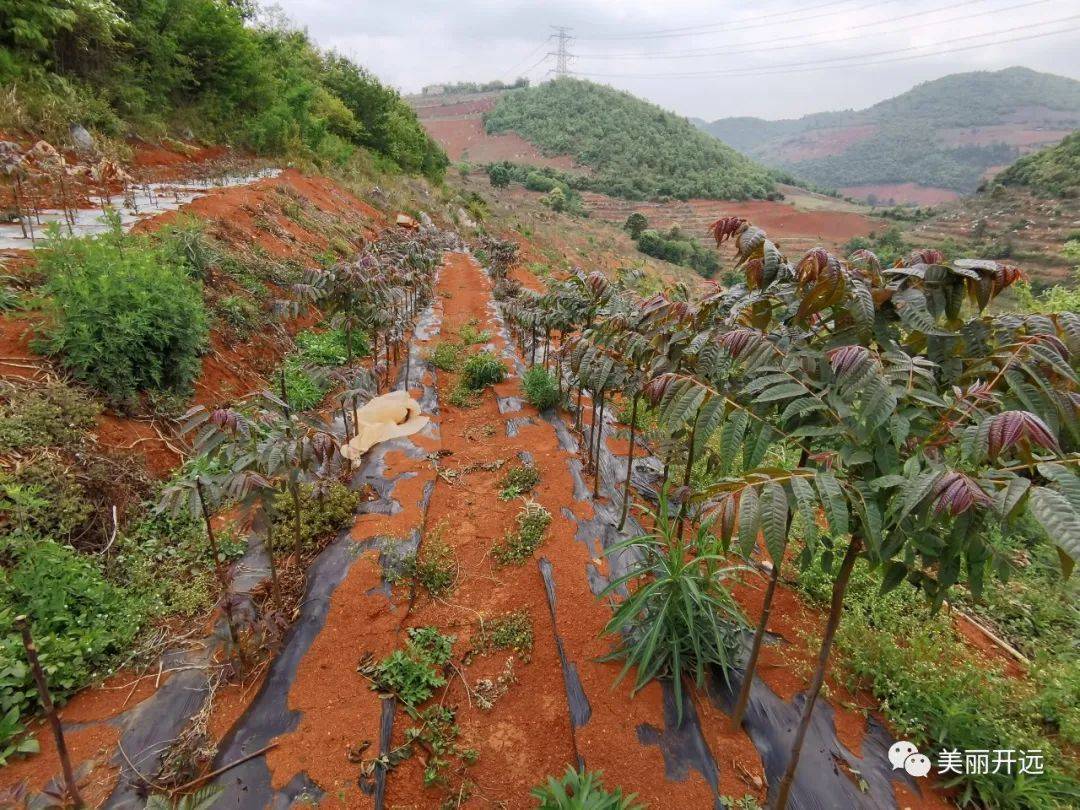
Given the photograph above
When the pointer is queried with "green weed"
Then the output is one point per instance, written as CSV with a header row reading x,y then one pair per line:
x,y
518,545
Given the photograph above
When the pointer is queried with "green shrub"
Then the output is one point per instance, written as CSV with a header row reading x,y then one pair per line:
x,y
186,244
47,499
446,356
49,415
678,619
581,790
123,317
483,369
937,693
461,396
328,348
540,388
322,514
469,334
519,544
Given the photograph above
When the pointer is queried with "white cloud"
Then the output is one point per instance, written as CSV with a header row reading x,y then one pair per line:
x,y
423,42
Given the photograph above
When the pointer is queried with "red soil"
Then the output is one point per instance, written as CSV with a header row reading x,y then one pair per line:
x,y
466,139
821,143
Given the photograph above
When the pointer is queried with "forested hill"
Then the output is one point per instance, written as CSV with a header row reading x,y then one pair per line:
x,y
635,149
1052,172
207,67
946,133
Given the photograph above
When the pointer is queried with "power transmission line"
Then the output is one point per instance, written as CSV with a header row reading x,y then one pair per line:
x,y
747,47
793,67
689,30
531,54
562,54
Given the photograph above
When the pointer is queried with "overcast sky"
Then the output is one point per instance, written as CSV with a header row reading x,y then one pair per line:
x,y
706,58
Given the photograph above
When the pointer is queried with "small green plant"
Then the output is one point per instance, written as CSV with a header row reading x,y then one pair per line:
x,y
510,631
446,356
202,799
747,802
413,674
434,567
518,480
581,790
438,732
470,335
483,369
540,388
123,316
518,545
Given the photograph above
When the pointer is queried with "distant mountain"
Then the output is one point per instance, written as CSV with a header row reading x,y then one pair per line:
x,y
634,149
944,136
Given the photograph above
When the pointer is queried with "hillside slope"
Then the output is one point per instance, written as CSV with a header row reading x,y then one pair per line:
x,y
1054,171
944,136
635,149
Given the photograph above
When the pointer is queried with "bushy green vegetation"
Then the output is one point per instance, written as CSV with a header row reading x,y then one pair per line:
x,y
678,248
540,388
635,149
33,417
905,144
481,370
888,245
510,631
209,65
328,348
940,695
1052,172
520,543
124,317
446,356
323,513
517,481
304,386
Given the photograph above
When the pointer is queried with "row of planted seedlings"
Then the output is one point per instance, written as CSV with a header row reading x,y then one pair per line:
x,y
882,414
276,465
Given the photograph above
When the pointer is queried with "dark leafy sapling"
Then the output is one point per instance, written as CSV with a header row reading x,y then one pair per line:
x,y
198,494
921,420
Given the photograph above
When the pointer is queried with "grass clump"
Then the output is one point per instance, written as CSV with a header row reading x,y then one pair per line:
x,y
446,356
540,388
124,316
329,347
470,335
304,388
49,415
518,480
240,316
413,674
461,396
518,545
581,789
511,631
481,370
434,567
